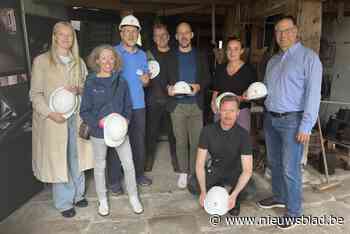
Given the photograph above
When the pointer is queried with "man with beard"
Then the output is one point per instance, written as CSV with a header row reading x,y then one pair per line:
x,y
191,66
228,147
157,98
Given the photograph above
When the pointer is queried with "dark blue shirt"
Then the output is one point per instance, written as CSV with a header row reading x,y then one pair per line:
x,y
187,73
98,101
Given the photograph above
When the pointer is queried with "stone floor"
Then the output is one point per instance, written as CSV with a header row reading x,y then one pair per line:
x,y
170,210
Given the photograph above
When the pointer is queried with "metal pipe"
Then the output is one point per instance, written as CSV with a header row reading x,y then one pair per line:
x,y
25,37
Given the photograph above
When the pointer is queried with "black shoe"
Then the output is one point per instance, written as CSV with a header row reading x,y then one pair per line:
x,y
235,211
269,203
82,203
68,213
285,223
144,181
116,192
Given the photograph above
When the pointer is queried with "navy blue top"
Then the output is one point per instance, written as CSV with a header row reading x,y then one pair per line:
x,y
98,101
187,73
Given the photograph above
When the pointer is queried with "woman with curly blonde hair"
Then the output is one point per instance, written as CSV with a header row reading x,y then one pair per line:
x,y
107,93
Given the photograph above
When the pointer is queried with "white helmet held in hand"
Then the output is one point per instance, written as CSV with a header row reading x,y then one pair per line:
x,y
216,201
115,129
181,87
130,20
256,90
63,101
218,99
154,68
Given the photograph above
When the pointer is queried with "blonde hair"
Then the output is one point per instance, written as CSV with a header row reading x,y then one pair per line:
x,y
95,54
53,56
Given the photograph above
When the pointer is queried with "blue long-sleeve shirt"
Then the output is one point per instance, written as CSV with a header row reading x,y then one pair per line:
x,y
98,101
134,64
293,79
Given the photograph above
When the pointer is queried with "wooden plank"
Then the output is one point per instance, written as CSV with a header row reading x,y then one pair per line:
x,y
180,10
309,20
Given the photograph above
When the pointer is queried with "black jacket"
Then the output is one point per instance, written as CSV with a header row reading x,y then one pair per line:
x,y
203,76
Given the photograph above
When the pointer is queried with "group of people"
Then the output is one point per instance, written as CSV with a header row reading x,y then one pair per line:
x,y
120,82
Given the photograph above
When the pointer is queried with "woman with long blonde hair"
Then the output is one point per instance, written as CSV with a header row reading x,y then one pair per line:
x,y
59,155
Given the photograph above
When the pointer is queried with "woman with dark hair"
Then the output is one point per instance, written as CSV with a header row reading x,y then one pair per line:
x,y
234,76
107,93
59,155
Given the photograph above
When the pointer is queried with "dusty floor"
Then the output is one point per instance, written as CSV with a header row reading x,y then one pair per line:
x,y
170,210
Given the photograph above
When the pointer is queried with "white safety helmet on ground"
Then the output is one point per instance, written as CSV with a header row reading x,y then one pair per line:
x,y
154,68
216,201
115,129
131,21
218,99
256,90
63,101
181,87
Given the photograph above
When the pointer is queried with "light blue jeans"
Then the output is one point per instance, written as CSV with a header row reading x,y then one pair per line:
x,y
284,154
66,194
99,148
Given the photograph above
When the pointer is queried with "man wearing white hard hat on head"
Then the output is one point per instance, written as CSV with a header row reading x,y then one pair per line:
x,y
230,161
293,79
135,71
189,66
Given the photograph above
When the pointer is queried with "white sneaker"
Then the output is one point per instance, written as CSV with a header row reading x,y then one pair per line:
x,y
136,204
103,208
182,181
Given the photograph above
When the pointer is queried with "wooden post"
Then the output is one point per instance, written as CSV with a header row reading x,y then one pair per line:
x,y
309,20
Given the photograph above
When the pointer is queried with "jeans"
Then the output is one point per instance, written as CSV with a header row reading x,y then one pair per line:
x,y
156,113
66,194
187,121
137,133
124,152
284,155
222,178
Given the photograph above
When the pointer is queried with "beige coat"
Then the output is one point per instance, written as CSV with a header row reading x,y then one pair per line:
x,y
50,138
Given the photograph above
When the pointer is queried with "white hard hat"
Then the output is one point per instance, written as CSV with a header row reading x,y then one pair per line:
x,y
115,129
216,201
218,99
154,68
181,87
63,101
256,90
131,21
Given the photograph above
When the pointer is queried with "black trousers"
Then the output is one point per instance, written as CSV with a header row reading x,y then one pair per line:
x,y
156,115
221,178
137,141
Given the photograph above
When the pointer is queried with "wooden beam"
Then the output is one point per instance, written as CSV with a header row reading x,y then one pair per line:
x,y
309,20
180,10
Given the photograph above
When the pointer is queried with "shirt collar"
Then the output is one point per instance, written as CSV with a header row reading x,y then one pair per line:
x,y
123,50
292,49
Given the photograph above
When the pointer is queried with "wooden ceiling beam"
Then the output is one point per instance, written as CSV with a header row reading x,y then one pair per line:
x,y
180,10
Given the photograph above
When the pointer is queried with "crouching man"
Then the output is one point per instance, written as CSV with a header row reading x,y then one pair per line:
x,y
224,157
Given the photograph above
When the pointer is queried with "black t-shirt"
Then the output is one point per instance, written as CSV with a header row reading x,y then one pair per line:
x,y
226,146
238,83
156,92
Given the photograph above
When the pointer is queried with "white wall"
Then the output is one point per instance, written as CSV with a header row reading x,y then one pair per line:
x,y
339,33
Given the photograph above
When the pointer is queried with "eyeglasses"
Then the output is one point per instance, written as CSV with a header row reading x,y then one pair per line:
x,y
287,31
126,31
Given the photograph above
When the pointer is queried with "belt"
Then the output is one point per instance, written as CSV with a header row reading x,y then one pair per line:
x,y
279,115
